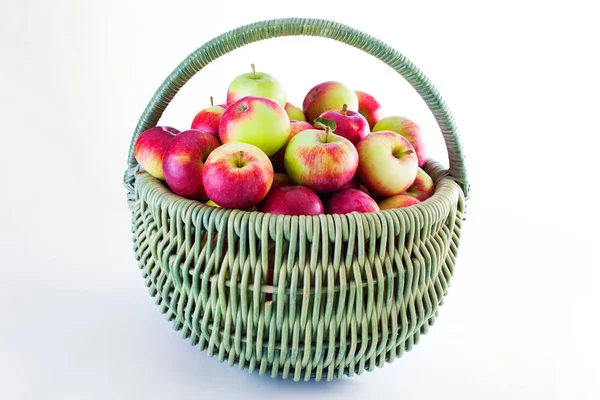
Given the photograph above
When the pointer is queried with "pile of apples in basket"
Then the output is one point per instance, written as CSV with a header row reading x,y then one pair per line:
x,y
258,152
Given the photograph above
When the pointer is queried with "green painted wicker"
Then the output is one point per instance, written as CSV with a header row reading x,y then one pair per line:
x,y
349,292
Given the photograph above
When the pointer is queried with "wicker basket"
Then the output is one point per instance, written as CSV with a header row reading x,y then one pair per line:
x,y
349,293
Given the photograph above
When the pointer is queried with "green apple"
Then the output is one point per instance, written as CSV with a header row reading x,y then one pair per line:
x,y
328,96
320,160
258,121
294,112
407,128
257,84
388,163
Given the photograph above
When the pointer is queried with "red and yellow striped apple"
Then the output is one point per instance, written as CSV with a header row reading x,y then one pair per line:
x,y
183,162
256,84
294,113
320,160
348,200
408,129
397,201
237,175
328,96
292,200
295,128
208,119
150,147
388,163
349,124
423,186
257,121
369,108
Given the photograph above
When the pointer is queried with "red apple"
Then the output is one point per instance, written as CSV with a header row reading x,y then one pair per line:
x,y
208,119
423,186
237,175
348,200
352,183
150,147
292,200
349,124
257,121
397,201
294,113
320,160
407,129
295,128
280,179
388,163
369,108
328,96
183,162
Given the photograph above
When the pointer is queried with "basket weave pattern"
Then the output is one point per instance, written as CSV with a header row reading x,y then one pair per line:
x,y
349,292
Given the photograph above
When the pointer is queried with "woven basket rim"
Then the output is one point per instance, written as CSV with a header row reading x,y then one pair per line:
x,y
446,189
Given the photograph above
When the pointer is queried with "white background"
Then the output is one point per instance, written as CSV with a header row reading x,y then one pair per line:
x,y
522,79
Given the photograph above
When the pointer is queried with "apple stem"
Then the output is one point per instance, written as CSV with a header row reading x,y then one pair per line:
x,y
241,160
253,70
398,155
212,102
345,109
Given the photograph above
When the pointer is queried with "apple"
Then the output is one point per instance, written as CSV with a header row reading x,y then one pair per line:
x,y
294,113
292,200
320,160
397,201
388,163
295,128
369,108
328,96
183,162
348,200
211,203
280,179
407,129
352,183
256,84
349,124
237,175
423,186
257,121
208,119
150,147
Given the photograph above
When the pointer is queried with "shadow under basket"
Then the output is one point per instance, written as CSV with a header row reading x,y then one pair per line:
x,y
307,297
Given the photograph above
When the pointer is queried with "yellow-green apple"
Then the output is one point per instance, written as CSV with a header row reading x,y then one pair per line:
x,y
294,113
211,203
388,163
237,175
183,162
328,96
409,130
320,160
397,201
257,121
292,200
369,108
348,200
280,179
348,124
207,120
423,186
150,147
256,84
295,128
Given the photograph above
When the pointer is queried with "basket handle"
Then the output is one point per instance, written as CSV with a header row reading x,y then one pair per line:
x,y
243,35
